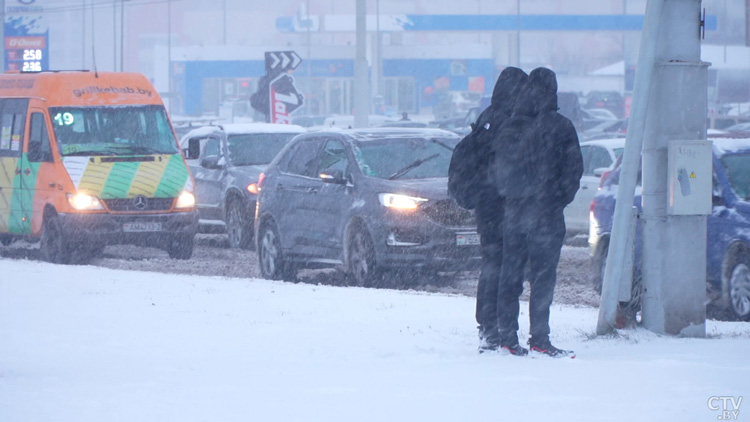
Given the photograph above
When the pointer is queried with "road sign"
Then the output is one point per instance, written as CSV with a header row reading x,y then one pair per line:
x,y
283,98
281,61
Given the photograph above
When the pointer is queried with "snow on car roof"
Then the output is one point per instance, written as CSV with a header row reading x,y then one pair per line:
x,y
398,132
606,142
730,145
201,131
241,128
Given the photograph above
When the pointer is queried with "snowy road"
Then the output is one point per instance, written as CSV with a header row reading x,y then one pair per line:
x,y
213,257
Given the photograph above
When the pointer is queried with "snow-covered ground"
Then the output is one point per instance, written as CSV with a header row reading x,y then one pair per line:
x,y
91,344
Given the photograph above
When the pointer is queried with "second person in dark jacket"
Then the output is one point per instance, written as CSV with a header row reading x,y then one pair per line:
x,y
537,168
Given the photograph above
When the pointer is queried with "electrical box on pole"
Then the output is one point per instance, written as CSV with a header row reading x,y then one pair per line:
x,y
689,177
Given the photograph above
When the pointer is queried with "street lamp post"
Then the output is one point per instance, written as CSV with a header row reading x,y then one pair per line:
x,y
169,57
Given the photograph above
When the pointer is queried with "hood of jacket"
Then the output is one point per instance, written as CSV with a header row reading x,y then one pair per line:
x,y
544,82
506,90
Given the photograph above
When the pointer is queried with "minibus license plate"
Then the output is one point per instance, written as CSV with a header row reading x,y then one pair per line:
x,y
141,227
466,239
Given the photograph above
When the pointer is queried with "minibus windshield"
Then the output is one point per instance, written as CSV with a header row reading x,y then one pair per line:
x,y
113,130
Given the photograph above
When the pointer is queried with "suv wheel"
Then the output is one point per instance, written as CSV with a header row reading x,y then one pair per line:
x,y
240,230
272,264
739,288
361,259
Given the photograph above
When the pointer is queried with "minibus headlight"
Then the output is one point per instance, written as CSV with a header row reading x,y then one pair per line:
x,y
83,202
185,200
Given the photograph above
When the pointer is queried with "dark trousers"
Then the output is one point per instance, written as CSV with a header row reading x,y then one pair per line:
x,y
489,280
533,232
489,215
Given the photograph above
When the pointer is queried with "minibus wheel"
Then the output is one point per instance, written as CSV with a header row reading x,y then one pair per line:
x,y
181,247
53,245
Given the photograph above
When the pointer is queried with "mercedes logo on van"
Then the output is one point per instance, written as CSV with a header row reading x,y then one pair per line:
x,y
140,202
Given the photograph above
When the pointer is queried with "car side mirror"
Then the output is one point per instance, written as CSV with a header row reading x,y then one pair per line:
x,y
194,149
333,176
212,162
600,171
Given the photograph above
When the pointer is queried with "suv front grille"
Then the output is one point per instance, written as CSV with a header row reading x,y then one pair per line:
x,y
129,205
448,213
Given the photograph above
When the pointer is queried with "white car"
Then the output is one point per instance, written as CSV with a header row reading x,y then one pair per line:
x,y
601,113
598,156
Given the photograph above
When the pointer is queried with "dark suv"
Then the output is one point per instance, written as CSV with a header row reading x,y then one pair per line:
x,y
226,161
366,200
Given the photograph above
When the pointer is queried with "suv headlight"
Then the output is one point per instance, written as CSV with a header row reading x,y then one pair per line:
x,y
83,202
185,200
400,202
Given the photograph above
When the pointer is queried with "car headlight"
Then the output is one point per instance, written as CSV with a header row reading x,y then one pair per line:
x,y
83,202
253,188
185,200
400,202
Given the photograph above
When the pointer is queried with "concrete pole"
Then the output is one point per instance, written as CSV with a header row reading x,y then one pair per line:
x,y
361,85
83,34
122,35
614,276
170,97
674,246
2,37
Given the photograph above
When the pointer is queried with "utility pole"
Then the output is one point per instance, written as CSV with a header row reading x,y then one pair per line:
x,y
666,118
83,34
674,240
122,34
518,33
169,57
2,37
616,273
361,86
114,35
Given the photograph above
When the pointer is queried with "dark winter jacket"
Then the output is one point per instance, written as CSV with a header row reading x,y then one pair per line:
x,y
561,165
468,180
514,152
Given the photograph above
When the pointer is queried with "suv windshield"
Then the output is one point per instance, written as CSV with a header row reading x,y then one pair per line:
x,y
113,130
256,148
738,172
412,158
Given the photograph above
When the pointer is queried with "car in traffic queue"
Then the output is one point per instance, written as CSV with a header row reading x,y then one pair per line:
x,y
728,241
226,161
598,156
365,200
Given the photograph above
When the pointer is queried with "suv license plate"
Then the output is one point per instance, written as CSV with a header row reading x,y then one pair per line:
x,y
467,239
141,227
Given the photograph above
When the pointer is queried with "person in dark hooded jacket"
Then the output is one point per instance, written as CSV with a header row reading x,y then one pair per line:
x,y
472,158
537,168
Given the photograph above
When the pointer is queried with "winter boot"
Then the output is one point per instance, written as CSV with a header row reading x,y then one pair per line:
x,y
489,341
515,349
509,343
546,348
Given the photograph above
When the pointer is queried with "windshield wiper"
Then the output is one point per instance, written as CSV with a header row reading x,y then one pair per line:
x,y
91,152
139,149
412,166
442,144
